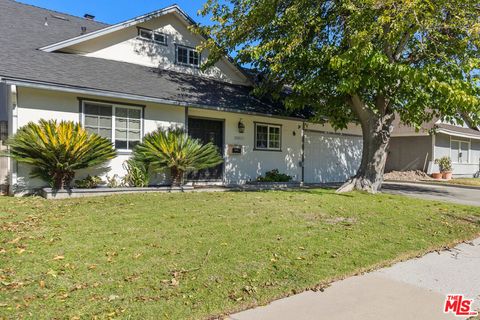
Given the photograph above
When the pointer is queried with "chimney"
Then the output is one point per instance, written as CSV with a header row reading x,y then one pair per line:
x,y
89,16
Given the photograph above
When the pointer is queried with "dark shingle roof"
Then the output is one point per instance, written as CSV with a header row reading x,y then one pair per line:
x,y
23,31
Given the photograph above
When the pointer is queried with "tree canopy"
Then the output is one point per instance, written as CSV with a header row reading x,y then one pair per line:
x,y
365,60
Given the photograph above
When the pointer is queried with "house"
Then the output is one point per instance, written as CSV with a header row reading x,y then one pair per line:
x,y
127,79
417,150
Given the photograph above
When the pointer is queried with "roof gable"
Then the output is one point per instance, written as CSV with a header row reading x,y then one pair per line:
x,y
58,46
120,42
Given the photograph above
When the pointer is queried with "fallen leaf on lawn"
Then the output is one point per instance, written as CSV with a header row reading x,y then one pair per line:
x,y
138,255
2,251
52,273
91,267
59,258
174,282
113,297
15,240
20,251
42,284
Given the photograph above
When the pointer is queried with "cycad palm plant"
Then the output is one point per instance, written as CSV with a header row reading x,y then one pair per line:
x,y
175,150
56,150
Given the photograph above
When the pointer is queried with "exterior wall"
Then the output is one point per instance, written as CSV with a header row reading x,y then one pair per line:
x,y
442,149
253,163
34,105
125,46
409,153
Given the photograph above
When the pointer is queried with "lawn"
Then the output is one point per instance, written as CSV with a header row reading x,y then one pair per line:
x,y
199,255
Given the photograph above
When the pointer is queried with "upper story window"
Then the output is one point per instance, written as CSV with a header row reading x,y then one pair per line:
x,y
460,151
155,36
268,137
121,124
187,56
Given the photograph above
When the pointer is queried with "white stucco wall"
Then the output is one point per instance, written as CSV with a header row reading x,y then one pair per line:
x,y
253,163
34,104
125,46
442,149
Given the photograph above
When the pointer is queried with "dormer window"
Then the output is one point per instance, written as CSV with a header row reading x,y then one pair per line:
x,y
187,56
150,35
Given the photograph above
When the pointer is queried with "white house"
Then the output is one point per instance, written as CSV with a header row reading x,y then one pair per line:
x,y
128,79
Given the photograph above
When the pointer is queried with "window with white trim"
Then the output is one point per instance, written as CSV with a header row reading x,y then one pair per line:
x,y
268,137
155,36
187,56
460,151
121,124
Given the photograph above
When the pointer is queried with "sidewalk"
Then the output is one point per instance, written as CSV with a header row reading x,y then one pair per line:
x,y
413,289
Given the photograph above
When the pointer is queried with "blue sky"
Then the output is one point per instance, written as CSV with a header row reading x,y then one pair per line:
x,y
113,11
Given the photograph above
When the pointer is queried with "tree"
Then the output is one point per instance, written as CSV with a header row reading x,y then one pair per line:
x,y
56,150
358,60
175,150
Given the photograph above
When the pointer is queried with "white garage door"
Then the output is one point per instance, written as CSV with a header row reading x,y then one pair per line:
x,y
331,157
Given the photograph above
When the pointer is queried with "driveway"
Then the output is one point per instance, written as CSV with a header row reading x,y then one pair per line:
x,y
414,289
468,196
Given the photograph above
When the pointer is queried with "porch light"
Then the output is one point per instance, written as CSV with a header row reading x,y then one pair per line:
x,y
241,126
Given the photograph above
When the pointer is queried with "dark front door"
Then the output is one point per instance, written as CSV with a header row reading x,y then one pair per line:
x,y
206,131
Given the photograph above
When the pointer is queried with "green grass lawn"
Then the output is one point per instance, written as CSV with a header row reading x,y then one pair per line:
x,y
198,255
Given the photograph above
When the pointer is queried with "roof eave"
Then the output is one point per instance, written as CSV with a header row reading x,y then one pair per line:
x,y
120,95
458,134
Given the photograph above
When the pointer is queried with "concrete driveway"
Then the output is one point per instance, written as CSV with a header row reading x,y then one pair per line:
x,y
414,289
468,196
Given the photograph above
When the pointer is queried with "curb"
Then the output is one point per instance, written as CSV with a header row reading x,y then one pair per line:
x,y
438,184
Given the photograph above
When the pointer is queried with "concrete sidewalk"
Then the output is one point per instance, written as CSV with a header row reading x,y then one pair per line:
x,y
413,289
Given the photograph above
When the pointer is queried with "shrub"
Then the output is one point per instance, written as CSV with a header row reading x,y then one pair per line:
x,y
88,183
56,150
445,164
113,182
175,150
137,173
274,176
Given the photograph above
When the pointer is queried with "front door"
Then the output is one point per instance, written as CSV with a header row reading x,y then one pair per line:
x,y
207,130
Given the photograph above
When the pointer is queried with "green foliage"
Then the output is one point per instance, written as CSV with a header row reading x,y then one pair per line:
x,y
445,164
88,183
137,173
114,181
56,150
418,59
175,150
274,176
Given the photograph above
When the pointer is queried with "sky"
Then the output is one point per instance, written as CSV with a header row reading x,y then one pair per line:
x,y
114,11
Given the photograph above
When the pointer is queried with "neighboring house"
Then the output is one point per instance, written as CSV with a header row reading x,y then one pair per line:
x,y
411,150
125,80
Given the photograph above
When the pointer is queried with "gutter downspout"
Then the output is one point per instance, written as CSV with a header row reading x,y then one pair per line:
x,y
302,182
12,108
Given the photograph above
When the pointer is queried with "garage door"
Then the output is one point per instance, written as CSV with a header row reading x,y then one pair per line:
x,y
331,157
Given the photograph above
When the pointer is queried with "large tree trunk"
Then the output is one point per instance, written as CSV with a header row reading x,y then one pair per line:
x,y
376,129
